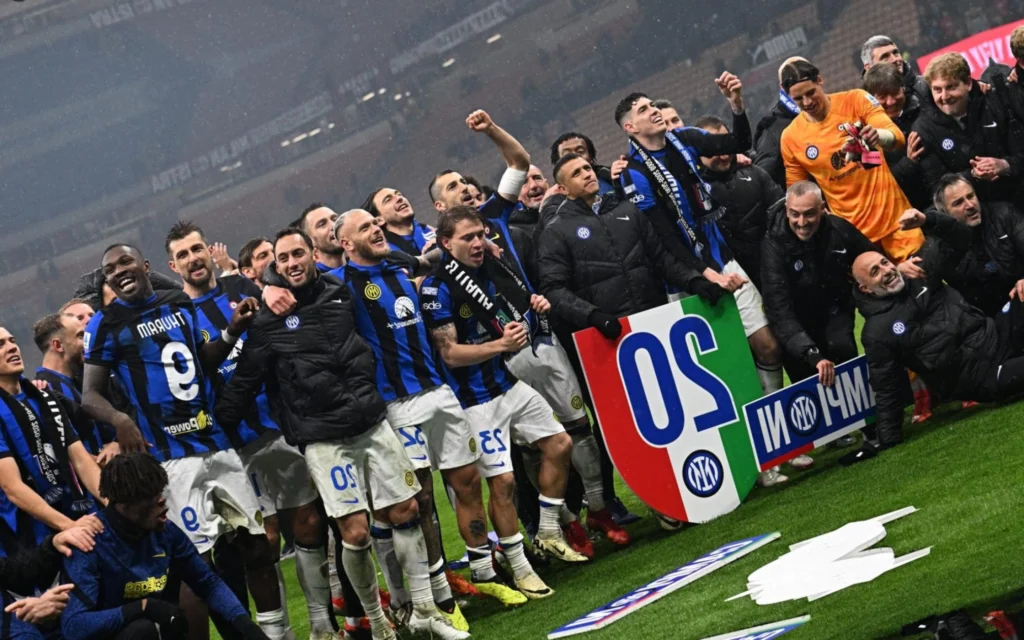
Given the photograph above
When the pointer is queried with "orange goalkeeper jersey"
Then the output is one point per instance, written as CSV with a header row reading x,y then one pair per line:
x,y
870,199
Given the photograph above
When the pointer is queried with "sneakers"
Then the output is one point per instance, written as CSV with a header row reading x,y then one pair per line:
x,y
436,624
968,404
922,405
455,617
533,587
460,586
557,548
400,615
802,462
602,521
577,539
667,523
771,478
620,514
379,629
500,589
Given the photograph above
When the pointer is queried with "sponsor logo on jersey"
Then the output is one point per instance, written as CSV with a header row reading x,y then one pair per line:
x,y
201,421
372,291
404,308
428,291
630,188
143,588
431,306
838,160
637,198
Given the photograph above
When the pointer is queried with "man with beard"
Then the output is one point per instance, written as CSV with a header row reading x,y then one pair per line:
x,y
254,257
992,270
767,136
927,327
531,195
882,50
424,413
321,377
60,339
402,230
545,366
125,587
43,465
745,193
162,359
277,470
317,222
885,82
971,133
581,145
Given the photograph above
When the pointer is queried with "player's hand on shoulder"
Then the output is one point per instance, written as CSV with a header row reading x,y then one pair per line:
x,y
279,300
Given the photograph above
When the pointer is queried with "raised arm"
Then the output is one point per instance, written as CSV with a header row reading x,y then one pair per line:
x,y
512,151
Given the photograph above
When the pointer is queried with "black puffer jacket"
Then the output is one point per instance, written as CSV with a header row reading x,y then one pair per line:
x,y
320,375
994,260
906,171
767,142
611,262
745,194
803,283
990,133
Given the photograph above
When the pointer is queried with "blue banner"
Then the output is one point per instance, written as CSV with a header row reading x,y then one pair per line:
x,y
808,415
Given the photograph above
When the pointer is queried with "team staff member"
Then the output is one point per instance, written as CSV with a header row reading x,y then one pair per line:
x,y
43,465
971,133
883,50
808,293
277,470
123,585
745,193
992,269
321,377
813,148
153,343
927,327
401,228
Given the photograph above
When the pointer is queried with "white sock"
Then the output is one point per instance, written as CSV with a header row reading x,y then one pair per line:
x,y
550,509
481,569
315,586
566,517
281,588
332,567
512,546
411,549
586,459
359,567
382,537
439,583
770,376
272,623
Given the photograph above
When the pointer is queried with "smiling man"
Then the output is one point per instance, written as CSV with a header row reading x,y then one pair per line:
x,y
402,230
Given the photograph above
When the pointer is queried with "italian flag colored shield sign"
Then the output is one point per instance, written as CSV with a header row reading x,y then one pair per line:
x,y
669,396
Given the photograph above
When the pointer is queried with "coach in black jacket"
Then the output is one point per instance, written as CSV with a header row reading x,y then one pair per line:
x,y
928,327
320,375
993,265
599,265
807,287
971,133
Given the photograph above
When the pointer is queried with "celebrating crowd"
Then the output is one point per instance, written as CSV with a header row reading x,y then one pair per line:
x,y
179,427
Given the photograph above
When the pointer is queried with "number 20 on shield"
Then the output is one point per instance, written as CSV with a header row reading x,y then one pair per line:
x,y
640,398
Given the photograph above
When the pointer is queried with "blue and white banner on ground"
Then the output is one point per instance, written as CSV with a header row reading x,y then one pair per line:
x,y
765,631
808,415
643,596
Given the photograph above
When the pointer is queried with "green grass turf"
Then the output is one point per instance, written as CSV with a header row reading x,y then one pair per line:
x,y
961,469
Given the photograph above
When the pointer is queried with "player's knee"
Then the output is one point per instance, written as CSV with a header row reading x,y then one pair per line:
x,y
503,489
558,447
140,630
465,481
255,549
271,525
355,530
403,512
308,527
765,347
425,496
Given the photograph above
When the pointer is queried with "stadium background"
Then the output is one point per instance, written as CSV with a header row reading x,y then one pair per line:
x,y
122,117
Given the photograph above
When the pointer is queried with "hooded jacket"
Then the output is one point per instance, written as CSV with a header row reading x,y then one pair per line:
x,y
767,138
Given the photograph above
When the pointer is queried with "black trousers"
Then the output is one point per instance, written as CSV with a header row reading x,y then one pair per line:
x,y
834,336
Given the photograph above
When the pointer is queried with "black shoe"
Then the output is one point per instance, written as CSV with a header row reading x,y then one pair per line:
x,y
866,452
620,514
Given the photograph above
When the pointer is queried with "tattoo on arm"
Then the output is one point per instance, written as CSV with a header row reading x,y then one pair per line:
x,y
444,337
478,527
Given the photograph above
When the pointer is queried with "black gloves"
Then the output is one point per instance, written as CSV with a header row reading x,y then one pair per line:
x,y
168,616
249,629
606,323
707,290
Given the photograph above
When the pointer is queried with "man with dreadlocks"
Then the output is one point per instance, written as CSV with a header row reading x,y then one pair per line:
x,y
126,587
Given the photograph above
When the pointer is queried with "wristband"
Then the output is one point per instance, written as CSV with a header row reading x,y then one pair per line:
x,y
227,337
512,181
886,138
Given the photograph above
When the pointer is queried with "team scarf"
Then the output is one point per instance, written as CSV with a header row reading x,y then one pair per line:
x,y
680,203
511,304
788,103
47,428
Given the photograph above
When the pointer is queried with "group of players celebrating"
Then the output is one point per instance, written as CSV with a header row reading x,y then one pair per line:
x,y
176,428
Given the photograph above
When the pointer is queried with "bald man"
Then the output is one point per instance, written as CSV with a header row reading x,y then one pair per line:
x,y
767,137
927,327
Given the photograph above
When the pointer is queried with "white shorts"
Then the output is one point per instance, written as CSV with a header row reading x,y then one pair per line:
x,y
748,301
278,474
209,495
520,413
433,429
346,471
550,373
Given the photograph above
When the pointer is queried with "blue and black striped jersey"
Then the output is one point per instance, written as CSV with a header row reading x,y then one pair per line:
x,y
414,242
388,317
153,349
93,434
214,310
478,383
